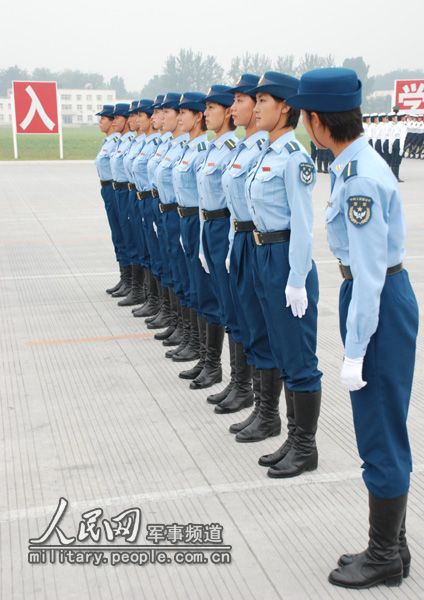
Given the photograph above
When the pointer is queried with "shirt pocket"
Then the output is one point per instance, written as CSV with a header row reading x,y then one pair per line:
x,y
270,182
336,229
186,176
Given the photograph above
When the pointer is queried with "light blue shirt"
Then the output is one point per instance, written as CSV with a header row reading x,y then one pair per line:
x,y
103,157
366,231
184,173
209,176
161,150
140,162
134,151
278,192
117,158
163,173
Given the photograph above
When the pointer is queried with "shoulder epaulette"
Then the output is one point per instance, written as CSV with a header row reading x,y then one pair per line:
x,y
260,143
201,147
230,144
156,141
183,143
350,170
116,138
292,147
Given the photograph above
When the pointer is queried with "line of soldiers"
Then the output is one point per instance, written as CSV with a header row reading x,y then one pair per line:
x,y
322,157
395,135
214,235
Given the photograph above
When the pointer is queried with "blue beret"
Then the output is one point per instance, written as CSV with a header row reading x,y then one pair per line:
x,y
171,100
107,111
133,107
121,110
245,84
220,94
193,101
157,102
145,105
277,84
328,90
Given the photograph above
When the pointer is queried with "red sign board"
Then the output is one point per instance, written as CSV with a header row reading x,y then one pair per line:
x,y
35,107
409,94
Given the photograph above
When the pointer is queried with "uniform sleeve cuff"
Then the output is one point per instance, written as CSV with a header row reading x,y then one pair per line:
x,y
295,280
355,349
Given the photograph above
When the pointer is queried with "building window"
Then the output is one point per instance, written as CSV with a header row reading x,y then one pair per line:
x,y
79,97
79,106
89,97
1,117
79,117
99,97
66,106
66,96
99,107
89,117
89,107
67,119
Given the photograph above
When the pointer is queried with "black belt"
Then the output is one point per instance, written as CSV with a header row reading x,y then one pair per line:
x,y
243,225
187,211
271,237
168,207
131,186
347,273
154,193
120,185
209,215
144,195
106,182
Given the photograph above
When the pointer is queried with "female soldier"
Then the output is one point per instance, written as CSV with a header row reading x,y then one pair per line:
x,y
202,298
279,195
120,186
215,225
189,346
378,316
264,421
144,195
136,295
106,190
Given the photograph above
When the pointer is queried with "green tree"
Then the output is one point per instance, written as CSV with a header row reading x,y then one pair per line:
x,y
286,64
10,74
248,63
314,61
359,65
118,84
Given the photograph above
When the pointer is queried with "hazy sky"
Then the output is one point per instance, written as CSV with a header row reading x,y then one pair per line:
x,y
132,39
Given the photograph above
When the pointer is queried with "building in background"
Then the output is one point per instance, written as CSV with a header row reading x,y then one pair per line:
x,y
78,107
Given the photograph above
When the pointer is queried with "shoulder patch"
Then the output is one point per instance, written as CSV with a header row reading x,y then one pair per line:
x,y
201,147
359,210
292,147
230,144
260,143
350,170
306,173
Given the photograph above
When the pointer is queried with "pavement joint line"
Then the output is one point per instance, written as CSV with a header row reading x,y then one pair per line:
x,y
305,479
100,338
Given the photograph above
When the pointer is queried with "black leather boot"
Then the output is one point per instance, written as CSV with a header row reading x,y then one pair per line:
x,y
256,379
267,422
164,335
145,288
164,317
125,288
241,396
212,371
197,369
136,295
220,396
160,296
192,350
116,287
185,336
151,306
405,555
303,455
381,562
272,459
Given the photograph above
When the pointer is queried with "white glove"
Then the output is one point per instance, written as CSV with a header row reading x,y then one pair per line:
x,y
204,263
181,243
227,264
297,299
351,374
155,228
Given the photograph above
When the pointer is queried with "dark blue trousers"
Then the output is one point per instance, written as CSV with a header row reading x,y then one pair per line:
x,y
380,409
108,195
123,208
249,311
202,295
215,247
136,222
177,261
166,275
293,341
151,238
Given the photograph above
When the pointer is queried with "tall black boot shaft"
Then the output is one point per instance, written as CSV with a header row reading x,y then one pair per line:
x,y
151,306
220,396
136,295
256,382
125,288
116,287
189,349
267,460
241,396
198,367
164,318
267,422
212,371
303,455
381,562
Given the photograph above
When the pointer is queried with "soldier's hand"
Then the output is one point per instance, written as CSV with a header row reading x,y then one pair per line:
x,y
351,374
297,299
204,263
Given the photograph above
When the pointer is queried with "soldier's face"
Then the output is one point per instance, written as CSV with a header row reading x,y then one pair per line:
x,y
132,122
268,112
215,116
186,120
105,124
169,119
119,123
143,121
157,118
242,109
